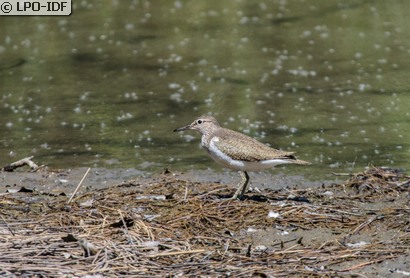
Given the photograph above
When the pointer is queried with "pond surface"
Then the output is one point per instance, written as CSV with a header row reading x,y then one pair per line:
x,y
106,86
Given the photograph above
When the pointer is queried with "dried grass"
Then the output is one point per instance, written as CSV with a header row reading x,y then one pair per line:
x,y
158,230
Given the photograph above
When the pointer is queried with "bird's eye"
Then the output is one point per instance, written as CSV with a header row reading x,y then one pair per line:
x,y
199,122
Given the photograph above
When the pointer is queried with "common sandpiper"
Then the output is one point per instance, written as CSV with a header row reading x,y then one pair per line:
x,y
237,151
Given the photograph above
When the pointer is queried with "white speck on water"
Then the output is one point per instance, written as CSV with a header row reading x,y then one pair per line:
x,y
176,97
293,129
382,61
45,146
129,26
174,85
27,78
188,138
324,35
132,95
363,87
62,22
194,86
244,20
84,96
125,116
26,43
9,124
213,13
335,165
306,33
302,72
178,5
244,40
318,139
283,127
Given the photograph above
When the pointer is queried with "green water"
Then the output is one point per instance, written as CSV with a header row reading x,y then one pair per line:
x,y
106,86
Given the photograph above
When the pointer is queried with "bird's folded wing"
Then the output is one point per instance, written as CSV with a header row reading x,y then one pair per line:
x,y
242,147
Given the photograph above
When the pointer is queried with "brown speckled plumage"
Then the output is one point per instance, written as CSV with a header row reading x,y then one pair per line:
x,y
238,151
242,147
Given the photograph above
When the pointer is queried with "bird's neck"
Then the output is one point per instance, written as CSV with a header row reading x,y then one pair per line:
x,y
206,138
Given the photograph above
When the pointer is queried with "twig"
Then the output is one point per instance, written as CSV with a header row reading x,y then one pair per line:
x,y
403,183
178,253
366,223
210,192
20,163
125,227
78,186
186,193
7,225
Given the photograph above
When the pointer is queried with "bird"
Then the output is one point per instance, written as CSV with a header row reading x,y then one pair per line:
x,y
237,151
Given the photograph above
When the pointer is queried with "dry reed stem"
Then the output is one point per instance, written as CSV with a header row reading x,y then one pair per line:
x,y
79,185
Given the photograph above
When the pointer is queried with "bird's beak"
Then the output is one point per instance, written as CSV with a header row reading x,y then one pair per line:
x,y
183,128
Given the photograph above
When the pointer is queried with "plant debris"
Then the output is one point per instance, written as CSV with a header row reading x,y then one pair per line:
x,y
171,227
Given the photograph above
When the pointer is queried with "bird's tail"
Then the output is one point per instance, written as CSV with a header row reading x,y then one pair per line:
x,y
292,159
300,162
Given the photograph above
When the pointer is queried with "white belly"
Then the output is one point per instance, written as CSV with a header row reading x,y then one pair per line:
x,y
239,165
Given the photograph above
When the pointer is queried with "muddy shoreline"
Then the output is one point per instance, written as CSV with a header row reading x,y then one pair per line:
x,y
124,222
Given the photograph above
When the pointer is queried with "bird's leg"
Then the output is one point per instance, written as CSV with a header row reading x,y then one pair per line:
x,y
242,186
246,183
